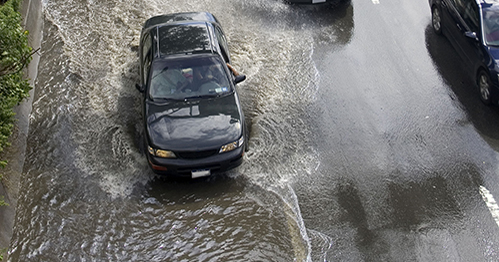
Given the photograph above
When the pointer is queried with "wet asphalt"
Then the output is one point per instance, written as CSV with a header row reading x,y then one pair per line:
x,y
408,151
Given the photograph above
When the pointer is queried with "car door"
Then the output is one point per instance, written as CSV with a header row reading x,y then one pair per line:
x,y
469,32
464,29
450,21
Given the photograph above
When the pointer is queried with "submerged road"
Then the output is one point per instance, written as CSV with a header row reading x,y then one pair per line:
x,y
368,142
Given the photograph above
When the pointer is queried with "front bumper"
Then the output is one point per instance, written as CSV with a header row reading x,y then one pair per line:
x,y
184,167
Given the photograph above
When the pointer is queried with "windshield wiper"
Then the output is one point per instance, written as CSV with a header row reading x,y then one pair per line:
x,y
201,96
162,71
157,99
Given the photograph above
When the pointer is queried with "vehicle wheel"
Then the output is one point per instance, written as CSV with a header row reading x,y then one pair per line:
x,y
436,20
483,83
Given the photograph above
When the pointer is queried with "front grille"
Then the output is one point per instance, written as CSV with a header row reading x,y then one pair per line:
x,y
196,154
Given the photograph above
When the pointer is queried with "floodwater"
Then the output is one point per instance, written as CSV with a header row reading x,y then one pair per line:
x,y
87,192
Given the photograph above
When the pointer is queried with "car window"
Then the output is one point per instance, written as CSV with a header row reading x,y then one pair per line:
x,y
222,41
468,10
185,38
491,26
460,4
146,56
180,79
471,16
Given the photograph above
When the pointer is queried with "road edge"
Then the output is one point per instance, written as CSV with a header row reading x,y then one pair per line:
x,y
31,11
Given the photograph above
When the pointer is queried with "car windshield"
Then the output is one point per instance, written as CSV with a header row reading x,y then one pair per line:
x,y
188,78
491,26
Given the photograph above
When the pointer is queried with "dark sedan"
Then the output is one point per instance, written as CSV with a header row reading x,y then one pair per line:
x,y
193,121
472,27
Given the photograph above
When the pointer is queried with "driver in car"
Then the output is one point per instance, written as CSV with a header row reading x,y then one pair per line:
x,y
211,80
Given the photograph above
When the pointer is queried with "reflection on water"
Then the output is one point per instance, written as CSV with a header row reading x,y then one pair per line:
x,y
87,192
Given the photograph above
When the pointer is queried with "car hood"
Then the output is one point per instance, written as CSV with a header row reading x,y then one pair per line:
x,y
194,125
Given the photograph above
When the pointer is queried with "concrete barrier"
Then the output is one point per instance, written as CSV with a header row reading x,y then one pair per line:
x,y
15,154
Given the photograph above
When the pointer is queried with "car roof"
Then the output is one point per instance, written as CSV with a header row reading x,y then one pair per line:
x,y
182,33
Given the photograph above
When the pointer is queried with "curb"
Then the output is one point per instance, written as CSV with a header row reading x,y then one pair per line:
x,y
31,11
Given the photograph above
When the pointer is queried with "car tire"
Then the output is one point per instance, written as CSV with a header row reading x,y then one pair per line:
x,y
483,82
436,20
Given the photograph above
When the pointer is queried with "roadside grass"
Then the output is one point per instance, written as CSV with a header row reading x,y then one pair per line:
x,y
15,55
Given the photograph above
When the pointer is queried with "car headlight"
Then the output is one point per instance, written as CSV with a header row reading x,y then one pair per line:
x,y
161,153
233,145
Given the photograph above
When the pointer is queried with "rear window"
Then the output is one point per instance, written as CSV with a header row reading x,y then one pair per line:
x,y
184,38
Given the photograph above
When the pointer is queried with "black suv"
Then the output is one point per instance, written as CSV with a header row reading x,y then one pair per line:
x,y
472,27
192,117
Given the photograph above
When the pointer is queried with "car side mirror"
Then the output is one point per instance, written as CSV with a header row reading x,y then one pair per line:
x,y
239,78
471,35
140,88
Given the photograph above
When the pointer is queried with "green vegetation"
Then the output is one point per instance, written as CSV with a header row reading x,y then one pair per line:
x,y
15,54
2,202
